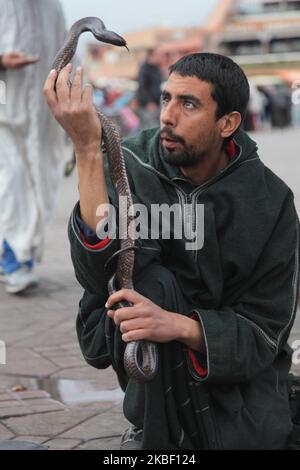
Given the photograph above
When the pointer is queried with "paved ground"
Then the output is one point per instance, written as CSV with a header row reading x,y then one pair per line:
x,y
47,392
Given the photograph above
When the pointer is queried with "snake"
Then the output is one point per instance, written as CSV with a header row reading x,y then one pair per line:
x,y
140,357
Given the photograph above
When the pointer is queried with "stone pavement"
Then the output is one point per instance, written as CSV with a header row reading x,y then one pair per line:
x,y
48,394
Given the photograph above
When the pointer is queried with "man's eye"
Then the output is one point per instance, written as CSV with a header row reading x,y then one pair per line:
x,y
164,100
189,105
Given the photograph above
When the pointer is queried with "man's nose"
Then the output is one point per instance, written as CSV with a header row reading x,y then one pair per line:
x,y
168,115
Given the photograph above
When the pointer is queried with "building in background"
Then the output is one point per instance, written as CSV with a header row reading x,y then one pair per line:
x,y
263,37
260,35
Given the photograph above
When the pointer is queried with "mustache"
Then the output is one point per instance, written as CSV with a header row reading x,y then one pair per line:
x,y
166,132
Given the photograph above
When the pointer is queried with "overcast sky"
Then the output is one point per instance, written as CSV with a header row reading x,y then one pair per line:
x,y
127,15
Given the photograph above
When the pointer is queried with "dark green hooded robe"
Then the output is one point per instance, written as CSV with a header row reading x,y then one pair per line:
x,y
243,284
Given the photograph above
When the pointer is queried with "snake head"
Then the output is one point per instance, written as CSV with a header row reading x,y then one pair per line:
x,y
112,38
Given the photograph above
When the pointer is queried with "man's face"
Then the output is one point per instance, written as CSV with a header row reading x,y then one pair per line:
x,y
189,128
155,58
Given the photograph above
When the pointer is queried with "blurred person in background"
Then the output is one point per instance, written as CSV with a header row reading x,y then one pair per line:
x,y
256,109
150,78
266,114
281,106
296,103
296,114
32,144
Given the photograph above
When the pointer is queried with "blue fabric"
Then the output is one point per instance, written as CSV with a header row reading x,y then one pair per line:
x,y
9,262
89,235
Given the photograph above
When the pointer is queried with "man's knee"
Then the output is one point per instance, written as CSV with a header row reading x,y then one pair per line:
x,y
159,284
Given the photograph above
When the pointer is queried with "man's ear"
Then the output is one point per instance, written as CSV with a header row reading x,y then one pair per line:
x,y
229,123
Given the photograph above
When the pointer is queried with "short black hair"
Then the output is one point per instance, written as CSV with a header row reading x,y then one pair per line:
x,y
230,87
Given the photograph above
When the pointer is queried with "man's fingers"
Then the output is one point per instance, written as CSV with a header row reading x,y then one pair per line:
x,y
124,294
49,90
122,314
135,324
87,95
76,90
62,87
135,335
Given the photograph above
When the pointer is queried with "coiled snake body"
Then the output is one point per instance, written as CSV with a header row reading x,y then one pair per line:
x,y
140,358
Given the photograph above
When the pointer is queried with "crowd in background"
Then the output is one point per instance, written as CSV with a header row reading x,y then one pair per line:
x,y
271,106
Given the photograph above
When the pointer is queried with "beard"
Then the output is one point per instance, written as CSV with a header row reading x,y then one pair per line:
x,y
184,156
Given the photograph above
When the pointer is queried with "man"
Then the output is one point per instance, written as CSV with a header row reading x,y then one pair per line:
x,y
150,78
32,144
220,313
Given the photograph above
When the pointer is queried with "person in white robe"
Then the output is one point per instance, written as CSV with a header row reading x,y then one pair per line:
x,y
32,144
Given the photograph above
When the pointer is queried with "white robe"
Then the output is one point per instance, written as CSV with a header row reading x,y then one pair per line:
x,y
32,144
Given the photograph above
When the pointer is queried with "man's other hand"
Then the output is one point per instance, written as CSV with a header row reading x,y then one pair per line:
x,y
144,320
